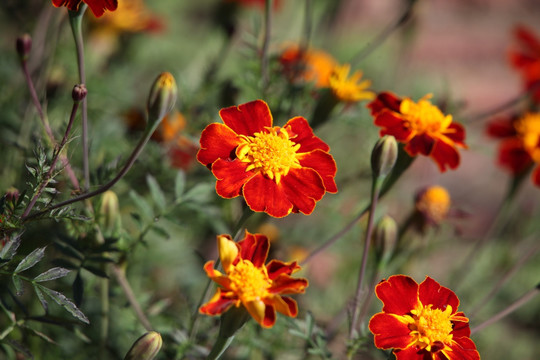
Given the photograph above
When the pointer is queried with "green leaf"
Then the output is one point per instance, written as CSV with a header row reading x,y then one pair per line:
x,y
32,259
99,259
200,193
41,298
160,231
69,250
10,249
96,271
157,194
78,289
40,334
179,184
51,274
142,205
17,282
64,302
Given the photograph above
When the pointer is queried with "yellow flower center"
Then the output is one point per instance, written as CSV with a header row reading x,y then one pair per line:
x,y
434,203
271,153
424,117
248,282
528,129
429,326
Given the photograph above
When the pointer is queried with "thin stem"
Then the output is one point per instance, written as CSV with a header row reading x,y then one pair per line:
x,y
76,27
48,176
266,44
375,189
308,18
124,284
221,344
513,307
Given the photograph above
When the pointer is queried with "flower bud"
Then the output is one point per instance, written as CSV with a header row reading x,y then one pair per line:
x,y
23,46
110,213
385,237
79,92
161,99
384,156
146,347
434,204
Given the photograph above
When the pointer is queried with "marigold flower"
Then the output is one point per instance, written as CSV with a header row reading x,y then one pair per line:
x,y
348,89
248,282
421,126
278,170
98,7
131,16
421,321
520,146
525,57
433,203
309,65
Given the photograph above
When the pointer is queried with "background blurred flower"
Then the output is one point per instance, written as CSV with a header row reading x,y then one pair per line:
x,y
277,170
421,126
525,57
307,65
349,89
248,282
420,321
98,7
434,204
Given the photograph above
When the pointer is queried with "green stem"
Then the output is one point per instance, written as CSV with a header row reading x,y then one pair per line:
x,y
221,344
75,20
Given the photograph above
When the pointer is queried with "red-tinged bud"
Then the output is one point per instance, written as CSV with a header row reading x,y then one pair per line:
x,y
146,347
79,92
24,45
161,99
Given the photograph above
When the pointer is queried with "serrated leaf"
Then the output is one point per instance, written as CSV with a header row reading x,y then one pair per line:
x,y
69,250
40,334
157,194
160,231
10,249
41,298
32,259
67,304
179,184
96,271
31,170
17,282
200,193
51,274
297,333
143,206
78,289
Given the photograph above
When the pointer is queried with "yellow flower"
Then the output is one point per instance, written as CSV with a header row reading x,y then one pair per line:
x,y
434,203
349,89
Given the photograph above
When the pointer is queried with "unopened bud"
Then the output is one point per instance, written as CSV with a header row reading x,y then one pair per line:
x,y
385,237
161,99
146,347
384,156
23,45
79,92
12,194
110,213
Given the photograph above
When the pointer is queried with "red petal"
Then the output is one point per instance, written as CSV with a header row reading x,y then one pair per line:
x,y
254,248
284,284
384,100
390,333
218,306
513,156
463,349
98,7
218,141
445,155
393,125
285,305
399,294
413,353
248,118
461,328
323,163
301,133
276,268
456,133
263,194
420,144
528,39
231,176
269,316
431,292
536,176
303,188
501,128
72,5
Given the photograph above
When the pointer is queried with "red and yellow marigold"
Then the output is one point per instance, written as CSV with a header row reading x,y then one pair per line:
x,y
525,57
421,321
98,7
247,281
308,65
277,170
421,126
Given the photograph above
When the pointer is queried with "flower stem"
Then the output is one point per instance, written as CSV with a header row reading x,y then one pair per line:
x,y
75,20
266,44
513,307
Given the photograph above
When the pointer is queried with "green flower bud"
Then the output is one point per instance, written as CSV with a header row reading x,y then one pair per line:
x,y
110,213
161,99
385,238
146,347
384,156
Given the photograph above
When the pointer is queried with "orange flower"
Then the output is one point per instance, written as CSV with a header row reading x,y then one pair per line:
x,y
520,146
525,57
98,7
421,126
307,65
278,170
349,89
421,322
434,204
248,282
131,16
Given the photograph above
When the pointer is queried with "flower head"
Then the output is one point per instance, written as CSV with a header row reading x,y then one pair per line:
x,y
278,170
520,146
421,321
248,282
433,203
525,57
131,16
421,126
309,65
349,89
98,7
